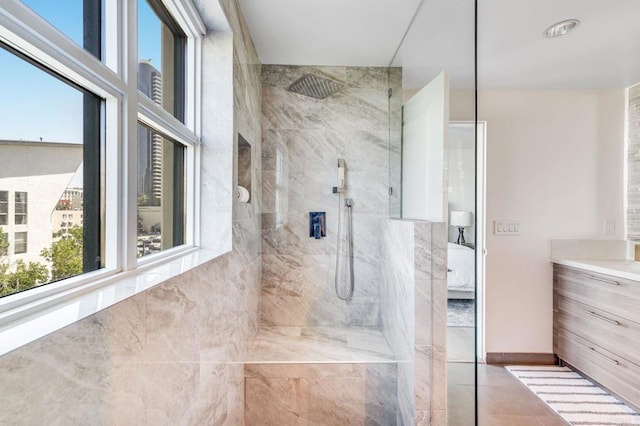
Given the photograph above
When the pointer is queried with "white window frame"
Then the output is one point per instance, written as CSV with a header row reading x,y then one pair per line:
x,y
31,314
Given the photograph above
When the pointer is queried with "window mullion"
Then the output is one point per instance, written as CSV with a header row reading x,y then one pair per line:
x,y
128,167
157,117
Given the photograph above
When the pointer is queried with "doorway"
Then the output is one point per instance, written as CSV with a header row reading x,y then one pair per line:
x,y
466,268
466,242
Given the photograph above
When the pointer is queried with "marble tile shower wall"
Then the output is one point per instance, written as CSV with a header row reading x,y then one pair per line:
x,y
398,314
168,355
302,140
321,394
413,312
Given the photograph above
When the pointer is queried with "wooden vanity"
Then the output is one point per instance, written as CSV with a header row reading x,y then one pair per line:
x,y
596,327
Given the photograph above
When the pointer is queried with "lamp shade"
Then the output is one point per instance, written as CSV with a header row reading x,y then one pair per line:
x,y
461,218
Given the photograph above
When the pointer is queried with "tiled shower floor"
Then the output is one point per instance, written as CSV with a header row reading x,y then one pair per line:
x,y
275,344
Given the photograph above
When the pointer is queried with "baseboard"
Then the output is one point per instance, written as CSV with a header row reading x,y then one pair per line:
x,y
520,358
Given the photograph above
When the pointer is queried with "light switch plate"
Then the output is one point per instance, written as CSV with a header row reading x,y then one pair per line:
x,y
609,227
506,227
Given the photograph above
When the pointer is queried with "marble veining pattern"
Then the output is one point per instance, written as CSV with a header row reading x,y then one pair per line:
x,y
413,313
302,140
326,394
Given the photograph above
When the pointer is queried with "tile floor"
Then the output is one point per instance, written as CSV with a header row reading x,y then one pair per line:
x,y
502,399
461,344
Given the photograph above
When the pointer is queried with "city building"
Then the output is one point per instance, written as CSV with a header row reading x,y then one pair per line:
x,y
34,177
71,199
149,143
63,220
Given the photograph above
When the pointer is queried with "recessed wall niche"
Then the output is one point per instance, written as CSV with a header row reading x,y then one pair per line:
x,y
244,166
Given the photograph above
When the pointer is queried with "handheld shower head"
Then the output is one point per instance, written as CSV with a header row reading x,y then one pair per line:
x,y
342,166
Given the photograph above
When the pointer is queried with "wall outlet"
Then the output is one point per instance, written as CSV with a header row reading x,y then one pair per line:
x,y
609,227
506,227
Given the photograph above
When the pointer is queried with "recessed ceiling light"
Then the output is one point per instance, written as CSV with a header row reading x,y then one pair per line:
x,y
561,28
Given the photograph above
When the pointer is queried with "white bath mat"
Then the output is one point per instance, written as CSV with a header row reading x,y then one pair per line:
x,y
578,400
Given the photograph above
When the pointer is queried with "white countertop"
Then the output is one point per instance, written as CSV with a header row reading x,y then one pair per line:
x,y
621,268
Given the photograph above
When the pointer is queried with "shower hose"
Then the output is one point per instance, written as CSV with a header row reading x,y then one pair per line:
x,y
348,202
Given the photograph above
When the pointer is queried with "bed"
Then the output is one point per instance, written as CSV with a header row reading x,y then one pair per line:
x,y
461,272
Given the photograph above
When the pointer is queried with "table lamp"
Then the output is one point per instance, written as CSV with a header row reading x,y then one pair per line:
x,y
461,219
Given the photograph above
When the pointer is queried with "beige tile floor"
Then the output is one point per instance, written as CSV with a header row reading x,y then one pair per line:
x,y
502,399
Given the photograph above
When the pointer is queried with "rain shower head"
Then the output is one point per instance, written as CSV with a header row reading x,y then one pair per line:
x,y
315,86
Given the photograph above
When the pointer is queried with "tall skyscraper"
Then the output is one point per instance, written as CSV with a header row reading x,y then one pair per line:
x,y
149,143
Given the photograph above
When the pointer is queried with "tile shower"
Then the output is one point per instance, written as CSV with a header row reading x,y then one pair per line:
x,y
259,332
302,140
316,358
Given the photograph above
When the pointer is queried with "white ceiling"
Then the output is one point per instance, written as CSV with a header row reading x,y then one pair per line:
x,y
604,52
327,32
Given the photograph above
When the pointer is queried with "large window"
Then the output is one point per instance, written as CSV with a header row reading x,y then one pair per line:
x,y
68,123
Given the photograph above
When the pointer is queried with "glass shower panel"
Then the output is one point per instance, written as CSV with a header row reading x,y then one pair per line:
x,y
395,141
439,48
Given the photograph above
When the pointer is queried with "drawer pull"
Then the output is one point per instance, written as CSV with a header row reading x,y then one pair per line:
x,y
611,360
603,318
602,280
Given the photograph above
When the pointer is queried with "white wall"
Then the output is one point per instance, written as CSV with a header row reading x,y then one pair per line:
x,y
555,164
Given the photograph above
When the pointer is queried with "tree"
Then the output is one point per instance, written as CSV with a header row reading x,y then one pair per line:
x,y
23,277
65,255
145,200
4,243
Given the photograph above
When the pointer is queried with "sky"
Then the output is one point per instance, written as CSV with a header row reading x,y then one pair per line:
x,y
36,105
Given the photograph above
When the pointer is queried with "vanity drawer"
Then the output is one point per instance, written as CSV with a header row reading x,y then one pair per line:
x,y
608,293
610,370
606,330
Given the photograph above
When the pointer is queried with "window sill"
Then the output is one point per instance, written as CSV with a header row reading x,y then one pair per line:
x,y
19,326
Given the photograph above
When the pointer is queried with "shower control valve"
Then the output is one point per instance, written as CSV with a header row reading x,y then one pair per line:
x,y
317,225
